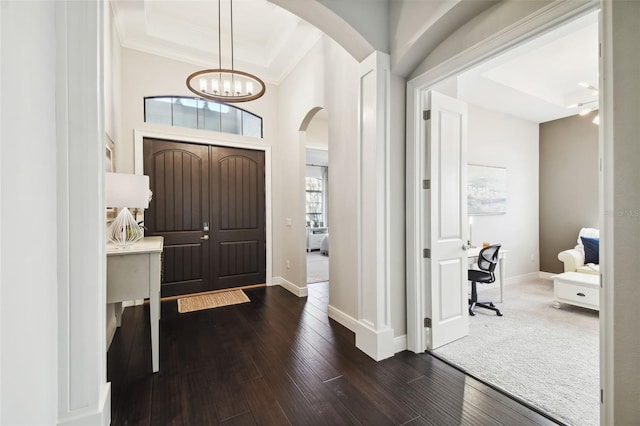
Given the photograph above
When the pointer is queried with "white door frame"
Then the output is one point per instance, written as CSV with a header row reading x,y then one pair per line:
x,y
231,142
546,20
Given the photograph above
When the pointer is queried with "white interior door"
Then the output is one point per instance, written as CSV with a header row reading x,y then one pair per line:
x,y
446,214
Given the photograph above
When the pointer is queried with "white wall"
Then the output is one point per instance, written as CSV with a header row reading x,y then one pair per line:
x,y
397,211
501,140
318,131
53,359
28,274
324,78
112,75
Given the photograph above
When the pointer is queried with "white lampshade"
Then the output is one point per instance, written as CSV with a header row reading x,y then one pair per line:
x,y
125,190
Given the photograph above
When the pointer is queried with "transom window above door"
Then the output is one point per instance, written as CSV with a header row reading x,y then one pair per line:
x,y
197,113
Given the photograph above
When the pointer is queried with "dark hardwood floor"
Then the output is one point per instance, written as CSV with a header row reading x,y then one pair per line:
x,y
279,360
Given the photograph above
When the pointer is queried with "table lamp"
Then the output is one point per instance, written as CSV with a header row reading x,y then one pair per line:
x,y
126,191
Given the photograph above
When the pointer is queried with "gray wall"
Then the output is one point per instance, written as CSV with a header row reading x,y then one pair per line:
x,y
568,185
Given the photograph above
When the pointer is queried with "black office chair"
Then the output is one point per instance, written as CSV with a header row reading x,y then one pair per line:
x,y
487,261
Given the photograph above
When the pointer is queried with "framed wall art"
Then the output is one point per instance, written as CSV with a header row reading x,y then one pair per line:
x,y
486,190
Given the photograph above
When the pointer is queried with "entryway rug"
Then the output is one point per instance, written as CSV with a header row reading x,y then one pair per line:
x,y
212,300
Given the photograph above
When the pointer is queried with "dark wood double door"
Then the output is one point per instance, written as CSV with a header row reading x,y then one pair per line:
x,y
209,205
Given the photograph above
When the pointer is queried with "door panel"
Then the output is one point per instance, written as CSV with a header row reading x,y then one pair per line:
x,y
446,164
196,185
179,179
239,256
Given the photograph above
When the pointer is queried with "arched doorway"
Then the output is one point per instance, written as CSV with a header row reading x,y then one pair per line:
x,y
314,140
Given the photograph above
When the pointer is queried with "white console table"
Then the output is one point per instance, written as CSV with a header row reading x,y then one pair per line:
x,y
472,255
134,273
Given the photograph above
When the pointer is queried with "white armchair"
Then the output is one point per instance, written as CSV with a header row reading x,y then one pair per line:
x,y
573,259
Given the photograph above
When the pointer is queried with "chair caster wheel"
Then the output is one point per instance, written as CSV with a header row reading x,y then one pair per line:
x,y
471,313
492,305
499,313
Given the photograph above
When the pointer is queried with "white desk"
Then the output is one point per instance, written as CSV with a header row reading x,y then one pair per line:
x,y
134,273
472,254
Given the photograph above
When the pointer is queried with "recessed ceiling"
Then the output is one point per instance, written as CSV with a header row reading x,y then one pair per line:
x,y
538,80
535,81
268,41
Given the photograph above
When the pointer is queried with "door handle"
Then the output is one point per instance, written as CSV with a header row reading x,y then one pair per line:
x,y
466,246
204,237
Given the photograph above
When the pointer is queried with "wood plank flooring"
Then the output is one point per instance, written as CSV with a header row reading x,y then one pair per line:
x,y
279,360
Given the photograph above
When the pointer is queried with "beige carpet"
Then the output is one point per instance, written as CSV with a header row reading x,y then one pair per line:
x,y
317,267
548,357
212,300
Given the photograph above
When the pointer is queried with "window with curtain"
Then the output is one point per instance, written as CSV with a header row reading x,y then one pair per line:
x,y
314,202
316,199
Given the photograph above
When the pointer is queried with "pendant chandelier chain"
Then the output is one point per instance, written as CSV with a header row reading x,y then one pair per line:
x,y
219,39
226,85
231,14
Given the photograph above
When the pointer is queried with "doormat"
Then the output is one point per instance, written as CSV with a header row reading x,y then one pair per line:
x,y
213,300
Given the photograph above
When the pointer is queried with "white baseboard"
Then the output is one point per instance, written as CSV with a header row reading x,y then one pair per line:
x,y
521,278
378,344
101,415
400,344
342,318
530,276
288,285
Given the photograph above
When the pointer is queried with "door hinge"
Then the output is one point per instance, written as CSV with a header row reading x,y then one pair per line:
x,y
426,253
601,280
427,322
426,184
426,115
601,396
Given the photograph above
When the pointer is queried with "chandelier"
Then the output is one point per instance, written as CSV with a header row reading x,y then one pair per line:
x,y
226,85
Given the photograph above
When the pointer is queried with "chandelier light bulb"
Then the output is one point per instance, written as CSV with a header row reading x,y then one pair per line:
x,y
238,87
203,84
215,85
226,87
249,88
